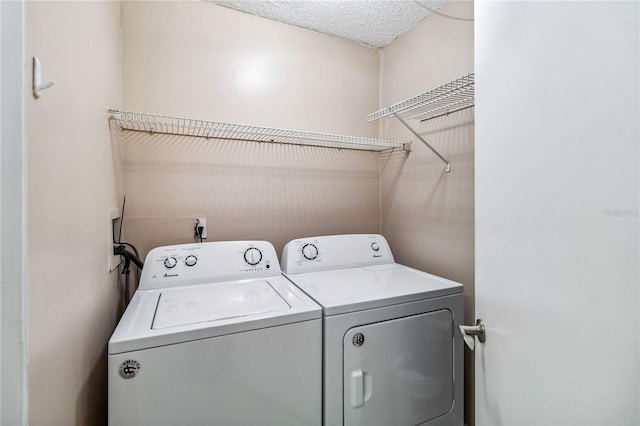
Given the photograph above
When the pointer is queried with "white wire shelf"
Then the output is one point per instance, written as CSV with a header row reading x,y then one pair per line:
x,y
154,123
443,100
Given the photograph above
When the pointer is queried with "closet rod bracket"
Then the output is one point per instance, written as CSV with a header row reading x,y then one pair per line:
x,y
404,123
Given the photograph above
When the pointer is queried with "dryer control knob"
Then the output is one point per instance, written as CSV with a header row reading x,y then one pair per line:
x,y
375,246
191,260
309,251
252,256
170,262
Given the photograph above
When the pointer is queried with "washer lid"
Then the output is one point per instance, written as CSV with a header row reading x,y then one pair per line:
x,y
168,316
178,307
356,289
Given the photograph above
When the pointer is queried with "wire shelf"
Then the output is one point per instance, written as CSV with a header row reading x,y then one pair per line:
x,y
443,100
154,123
446,99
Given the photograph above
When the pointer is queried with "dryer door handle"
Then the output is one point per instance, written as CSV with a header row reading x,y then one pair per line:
x,y
360,388
357,388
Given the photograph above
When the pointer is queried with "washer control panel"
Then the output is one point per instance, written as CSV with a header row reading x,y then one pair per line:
x,y
200,263
334,252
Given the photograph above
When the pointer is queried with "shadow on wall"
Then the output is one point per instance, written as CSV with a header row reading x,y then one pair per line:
x,y
246,190
423,206
427,215
91,405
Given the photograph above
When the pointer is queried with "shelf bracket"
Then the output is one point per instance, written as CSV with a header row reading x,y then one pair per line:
x,y
404,123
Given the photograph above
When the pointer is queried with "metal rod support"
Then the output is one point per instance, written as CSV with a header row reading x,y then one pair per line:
x,y
404,123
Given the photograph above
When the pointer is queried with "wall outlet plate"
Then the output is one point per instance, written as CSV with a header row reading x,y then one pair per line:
x,y
115,216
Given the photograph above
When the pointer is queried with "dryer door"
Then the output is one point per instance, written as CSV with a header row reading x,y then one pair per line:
x,y
400,371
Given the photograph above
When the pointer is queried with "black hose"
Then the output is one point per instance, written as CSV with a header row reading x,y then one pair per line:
x,y
128,258
126,269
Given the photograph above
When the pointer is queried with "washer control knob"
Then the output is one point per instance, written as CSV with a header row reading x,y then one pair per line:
x,y
191,260
309,251
375,246
170,262
252,256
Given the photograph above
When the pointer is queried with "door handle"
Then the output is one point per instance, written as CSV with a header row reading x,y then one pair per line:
x,y
469,332
357,388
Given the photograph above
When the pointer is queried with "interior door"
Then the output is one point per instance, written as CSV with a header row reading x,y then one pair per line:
x,y
557,183
399,372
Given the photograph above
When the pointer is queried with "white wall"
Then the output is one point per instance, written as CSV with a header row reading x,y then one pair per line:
x,y
73,298
194,59
557,199
198,60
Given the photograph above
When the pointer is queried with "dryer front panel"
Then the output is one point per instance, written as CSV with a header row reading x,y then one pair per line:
x,y
400,371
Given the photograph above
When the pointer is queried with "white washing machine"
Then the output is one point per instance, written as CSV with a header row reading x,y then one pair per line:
x,y
215,335
392,353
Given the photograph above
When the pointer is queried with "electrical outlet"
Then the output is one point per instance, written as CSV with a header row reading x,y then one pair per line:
x,y
115,217
201,222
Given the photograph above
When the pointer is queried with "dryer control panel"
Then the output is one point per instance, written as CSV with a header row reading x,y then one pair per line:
x,y
201,263
335,252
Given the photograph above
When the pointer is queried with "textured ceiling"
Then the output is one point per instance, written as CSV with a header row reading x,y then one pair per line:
x,y
374,23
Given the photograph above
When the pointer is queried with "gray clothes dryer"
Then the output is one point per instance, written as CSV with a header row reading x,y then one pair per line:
x,y
392,352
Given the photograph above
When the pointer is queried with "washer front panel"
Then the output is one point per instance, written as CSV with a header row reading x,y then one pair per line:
x,y
268,377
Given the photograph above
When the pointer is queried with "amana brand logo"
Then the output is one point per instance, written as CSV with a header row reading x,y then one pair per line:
x,y
170,275
129,368
358,339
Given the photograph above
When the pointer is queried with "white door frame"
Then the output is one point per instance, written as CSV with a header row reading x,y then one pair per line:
x,y
13,214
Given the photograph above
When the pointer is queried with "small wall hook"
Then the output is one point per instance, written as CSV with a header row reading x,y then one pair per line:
x,y
37,79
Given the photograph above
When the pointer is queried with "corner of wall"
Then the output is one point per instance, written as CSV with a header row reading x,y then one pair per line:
x,y
121,35
14,334
380,87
